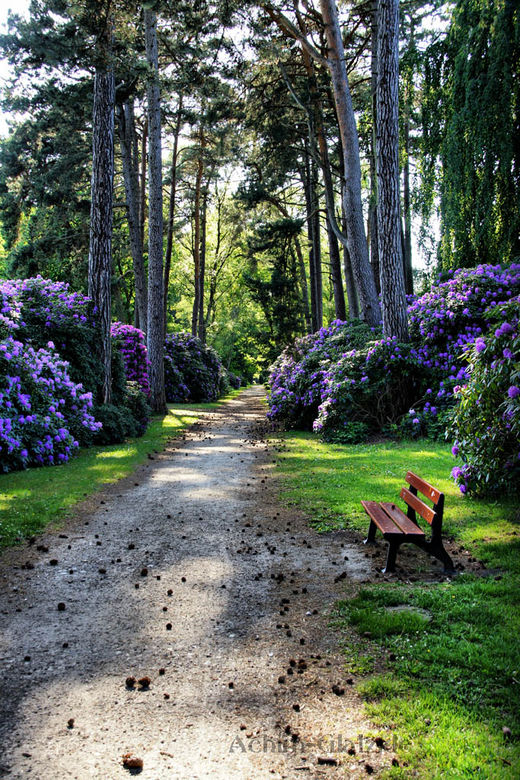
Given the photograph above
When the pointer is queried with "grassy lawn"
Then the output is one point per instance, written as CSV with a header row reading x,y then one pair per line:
x,y
442,671
31,500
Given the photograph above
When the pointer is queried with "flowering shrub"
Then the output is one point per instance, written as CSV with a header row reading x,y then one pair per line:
x,y
486,420
337,386
192,370
50,379
44,415
131,344
298,377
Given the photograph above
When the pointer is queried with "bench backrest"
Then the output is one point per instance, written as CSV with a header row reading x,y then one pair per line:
x,y
432,515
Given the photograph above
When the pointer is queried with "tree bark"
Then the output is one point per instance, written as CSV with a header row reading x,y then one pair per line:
x,y
171,209
372,205
407,254
155,221
202,274
128,143
196,239
356,238
101,208
353,303
389,224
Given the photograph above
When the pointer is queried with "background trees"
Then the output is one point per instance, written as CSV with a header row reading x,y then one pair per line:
x,y
280,208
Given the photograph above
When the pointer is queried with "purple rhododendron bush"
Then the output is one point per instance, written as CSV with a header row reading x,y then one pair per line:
x,y
50,385
486,419
131,344
44,413
192,370
347,382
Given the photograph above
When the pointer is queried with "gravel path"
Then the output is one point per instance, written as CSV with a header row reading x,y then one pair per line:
x,y
191,575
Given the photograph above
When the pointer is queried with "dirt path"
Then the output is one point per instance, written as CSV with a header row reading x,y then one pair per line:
x,y
191,574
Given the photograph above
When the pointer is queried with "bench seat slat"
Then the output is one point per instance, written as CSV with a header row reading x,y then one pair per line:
x,y
385,524
423,509
406,525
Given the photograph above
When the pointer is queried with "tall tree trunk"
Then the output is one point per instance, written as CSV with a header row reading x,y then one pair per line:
x,y
357,243
307,189
340,311
316,128
353,303
316,244
142,198
389,225
196,241
171,208
407,254
155,221
102,185
372,205
128,143
202,274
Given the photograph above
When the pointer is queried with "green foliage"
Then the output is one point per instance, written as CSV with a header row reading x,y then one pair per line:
x,y
271,280
486,420
471,99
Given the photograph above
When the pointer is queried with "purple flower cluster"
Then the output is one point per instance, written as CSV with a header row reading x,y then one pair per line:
x,y
42,412
131,344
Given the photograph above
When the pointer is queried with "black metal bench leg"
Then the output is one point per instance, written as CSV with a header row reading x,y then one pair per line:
x,y
437,550
390,558
371,537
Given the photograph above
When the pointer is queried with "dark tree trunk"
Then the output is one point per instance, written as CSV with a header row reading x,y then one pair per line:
x,y
196,241
407,254
353,304
307,189
102,184
128,143
202,275
357,243
389,225
372,205
340,311
316,244
155,221
171,209
142,199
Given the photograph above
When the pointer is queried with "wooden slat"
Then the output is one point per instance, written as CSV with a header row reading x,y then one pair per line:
x,y
406,525
423,509
423,487
385,524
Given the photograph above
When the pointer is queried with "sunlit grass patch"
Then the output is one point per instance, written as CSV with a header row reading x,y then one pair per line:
x,y
439,663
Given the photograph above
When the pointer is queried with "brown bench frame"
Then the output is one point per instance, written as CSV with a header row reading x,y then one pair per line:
x,y
398,527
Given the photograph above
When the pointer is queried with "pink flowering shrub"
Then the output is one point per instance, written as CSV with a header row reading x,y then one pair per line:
x,y
486,419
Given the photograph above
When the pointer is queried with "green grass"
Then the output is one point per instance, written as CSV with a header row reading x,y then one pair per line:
x,y
33,499
443,675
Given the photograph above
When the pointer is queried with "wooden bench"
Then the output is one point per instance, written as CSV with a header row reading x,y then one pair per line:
x,y
398,527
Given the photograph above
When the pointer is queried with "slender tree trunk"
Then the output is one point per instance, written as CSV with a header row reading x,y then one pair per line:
x,y
171,209
340,311
316,244
307,189
155,221
353,303
142,198
357,243
372,205
407,254
128,143
389,224
102,185
202,275
196,242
